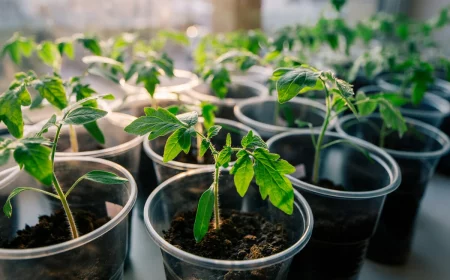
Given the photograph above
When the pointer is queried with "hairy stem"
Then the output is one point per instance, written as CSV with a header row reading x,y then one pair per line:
x,y
216,199
59,191
318,146
73,139
199,128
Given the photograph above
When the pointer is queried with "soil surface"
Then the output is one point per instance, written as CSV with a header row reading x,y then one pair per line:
x,y
243,236
53,230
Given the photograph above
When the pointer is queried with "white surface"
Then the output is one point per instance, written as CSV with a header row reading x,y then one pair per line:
x,y
430,259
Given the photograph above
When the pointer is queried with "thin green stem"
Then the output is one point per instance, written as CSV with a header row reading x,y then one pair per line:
x,y
58,189
42,191
318,146
73,186
216,198
73,139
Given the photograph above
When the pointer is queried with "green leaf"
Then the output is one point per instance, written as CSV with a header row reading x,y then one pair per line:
x,y
51,122
396,99
224,157
148,75
17,47
204,146
7,208
251,141
95,132
166,64
189,119
156,122
228,140
66,47
204,213
208,111
338,4
174,109
104,177
49,54
366,106
213,131
36,161
36,140
270,177
84,91
84,115
91,44
392,117
4,156
243,173
220,81
52,89
11,111
297,81
179,141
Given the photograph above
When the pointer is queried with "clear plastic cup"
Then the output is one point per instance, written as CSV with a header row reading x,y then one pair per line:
x,y
239,90
134,104
432,110
182,81
182,192
99,254
260,113
417,154
442,88
344,218
165,170
257,74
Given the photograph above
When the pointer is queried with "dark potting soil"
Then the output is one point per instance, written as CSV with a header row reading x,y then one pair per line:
x,y
53,230
339,241
243,236
191,157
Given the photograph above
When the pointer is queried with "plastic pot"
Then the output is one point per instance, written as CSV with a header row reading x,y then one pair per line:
x,y
257,74
91,256
165,170
442,88
182,81
182,192
432,110
134,104
268,117
345,217
417,154
239,90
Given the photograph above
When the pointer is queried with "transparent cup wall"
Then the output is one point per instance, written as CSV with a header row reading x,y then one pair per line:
x,y
97,255
182,193
417,153
345,217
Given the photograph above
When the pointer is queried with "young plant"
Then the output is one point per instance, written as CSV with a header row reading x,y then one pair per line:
x,y
147,62
253,160
52,87
36,154
338,97
215,55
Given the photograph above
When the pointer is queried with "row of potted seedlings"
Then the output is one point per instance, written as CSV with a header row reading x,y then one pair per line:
x,y
332,197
